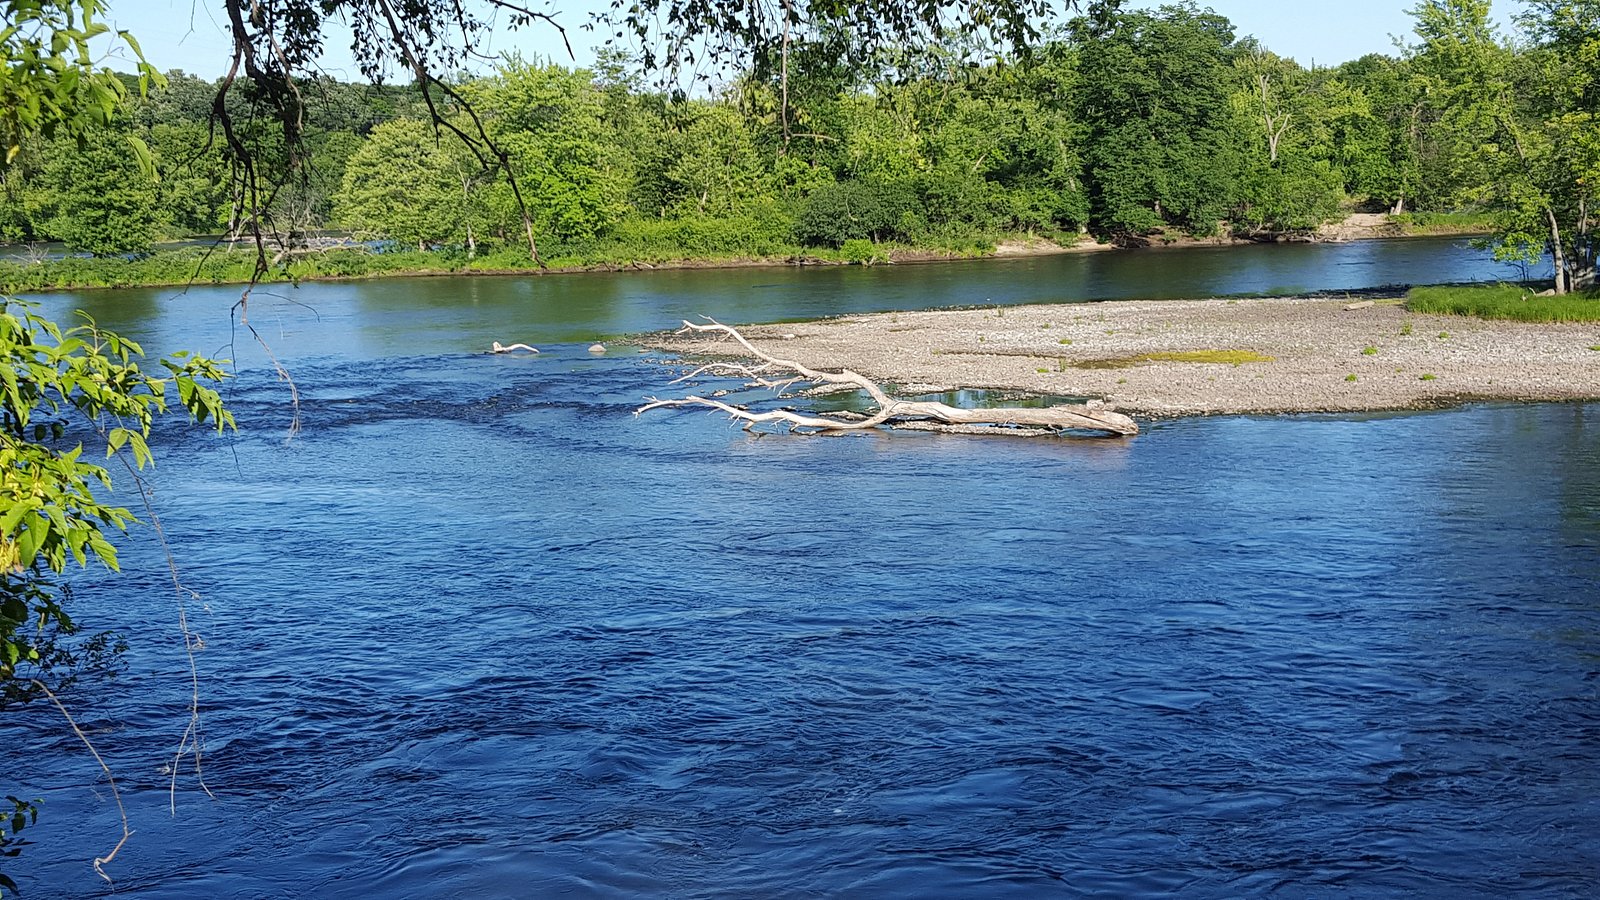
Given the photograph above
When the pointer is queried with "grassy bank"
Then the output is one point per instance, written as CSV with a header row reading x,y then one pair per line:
x,y
1504,301
638,244
1442,223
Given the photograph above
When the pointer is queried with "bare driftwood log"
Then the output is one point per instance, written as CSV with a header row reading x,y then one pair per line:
x,y
780,374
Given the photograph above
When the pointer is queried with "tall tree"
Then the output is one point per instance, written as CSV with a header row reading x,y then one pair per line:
x,y
1565,108
716,169
1153,102
97,198
1519,131
276,44
1287,181
548,122
1375,130
402,185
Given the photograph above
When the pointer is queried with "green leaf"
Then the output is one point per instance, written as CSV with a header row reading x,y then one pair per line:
x,y
29,541
11,518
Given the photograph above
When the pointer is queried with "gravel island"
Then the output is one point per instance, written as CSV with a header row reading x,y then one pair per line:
x,y
1162,358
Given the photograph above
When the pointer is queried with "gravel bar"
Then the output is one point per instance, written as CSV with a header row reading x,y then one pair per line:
x,y
1398,359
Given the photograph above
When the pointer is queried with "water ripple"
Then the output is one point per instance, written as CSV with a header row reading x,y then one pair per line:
x,y
488,634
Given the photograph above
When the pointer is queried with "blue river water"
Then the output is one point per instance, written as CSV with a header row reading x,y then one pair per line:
x,y
479,631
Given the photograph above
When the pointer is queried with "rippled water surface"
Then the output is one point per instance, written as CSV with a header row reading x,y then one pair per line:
x,y
478,631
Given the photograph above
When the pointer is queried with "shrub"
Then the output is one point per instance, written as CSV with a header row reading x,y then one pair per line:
x,y
956,197
861,251
854,210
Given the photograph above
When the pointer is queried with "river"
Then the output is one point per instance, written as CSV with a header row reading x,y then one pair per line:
x,y
478,631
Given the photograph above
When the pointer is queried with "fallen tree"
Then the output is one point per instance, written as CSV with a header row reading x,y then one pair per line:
x,y
779,375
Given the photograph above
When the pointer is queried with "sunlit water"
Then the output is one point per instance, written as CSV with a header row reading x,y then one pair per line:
x,y
478,631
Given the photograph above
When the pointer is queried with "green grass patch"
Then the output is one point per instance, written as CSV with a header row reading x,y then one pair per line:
x,y
688,242
1443,222
223,265
1224,357
1504,301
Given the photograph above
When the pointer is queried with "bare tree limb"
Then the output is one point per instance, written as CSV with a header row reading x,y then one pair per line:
x,y
891,411
100,861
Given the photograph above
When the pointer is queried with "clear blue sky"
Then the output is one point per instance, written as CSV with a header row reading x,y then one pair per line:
x,y
189,34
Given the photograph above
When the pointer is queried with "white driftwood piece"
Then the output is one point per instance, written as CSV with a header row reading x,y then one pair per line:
x,y
779,374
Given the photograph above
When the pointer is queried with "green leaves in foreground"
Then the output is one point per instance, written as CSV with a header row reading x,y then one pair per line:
x,y
12,821
49,81
57,389
60,392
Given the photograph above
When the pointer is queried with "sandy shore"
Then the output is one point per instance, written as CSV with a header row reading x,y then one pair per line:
x,y
1399,360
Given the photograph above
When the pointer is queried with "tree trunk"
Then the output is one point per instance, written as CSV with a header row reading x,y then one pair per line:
x,y
1586,251
1557,253
1399,205
533,248
466,204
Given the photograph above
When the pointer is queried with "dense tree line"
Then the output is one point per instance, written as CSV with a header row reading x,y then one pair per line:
x,y
1132,125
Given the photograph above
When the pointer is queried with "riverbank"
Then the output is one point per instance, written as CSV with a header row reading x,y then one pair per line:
x,y
1200,357
234,264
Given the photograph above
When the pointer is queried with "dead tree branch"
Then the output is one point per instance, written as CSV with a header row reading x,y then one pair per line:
x,y
888,411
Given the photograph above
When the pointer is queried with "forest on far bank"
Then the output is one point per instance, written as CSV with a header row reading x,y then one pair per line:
x,y
1129,125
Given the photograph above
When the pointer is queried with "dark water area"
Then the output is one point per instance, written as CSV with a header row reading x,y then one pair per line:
x,y
478,631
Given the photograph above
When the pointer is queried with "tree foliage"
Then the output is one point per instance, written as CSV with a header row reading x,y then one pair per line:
x,y
65,391
95,197
401,184
49,83
1153,99
1516,130
1132,124
62,392
855,210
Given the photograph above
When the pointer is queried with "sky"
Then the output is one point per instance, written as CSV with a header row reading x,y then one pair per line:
x,y
190,34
